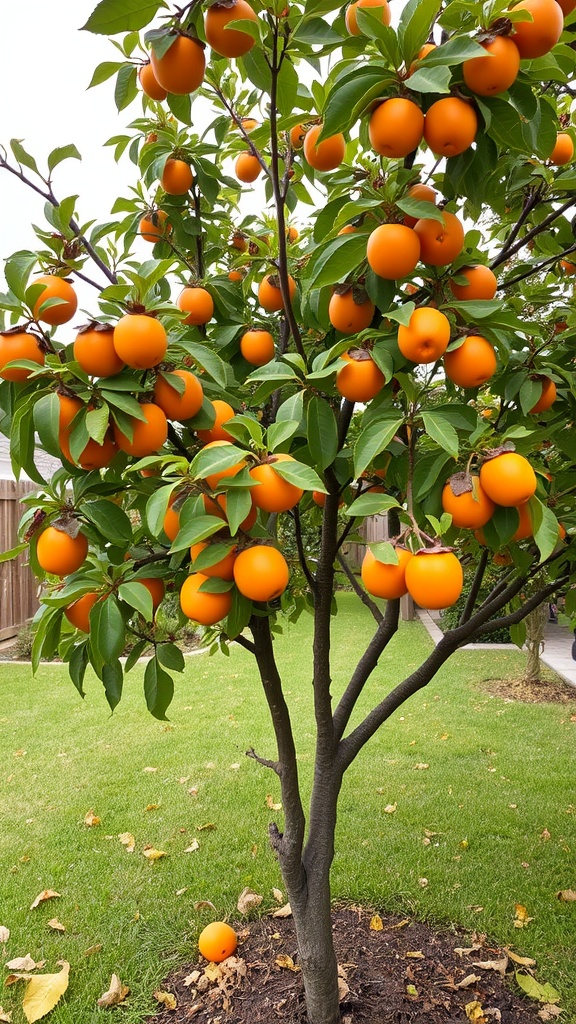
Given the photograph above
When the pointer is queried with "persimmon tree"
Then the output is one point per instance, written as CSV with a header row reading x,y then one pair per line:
x,y
391,332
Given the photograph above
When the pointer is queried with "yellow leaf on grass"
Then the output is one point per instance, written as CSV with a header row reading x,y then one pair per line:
x,y
390,808
167,999
91,819
46,894
43,992
376,924
194,845
521,919
55,924
127,840
93,949
22,963
208,827
524,961
283,960
567,895
534,990
116,993
270,803
151,854
152,807
4,933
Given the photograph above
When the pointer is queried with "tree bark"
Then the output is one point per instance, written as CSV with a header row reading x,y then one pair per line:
x,y
535,625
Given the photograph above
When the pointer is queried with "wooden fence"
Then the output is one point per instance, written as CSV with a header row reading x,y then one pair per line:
x,y
18,586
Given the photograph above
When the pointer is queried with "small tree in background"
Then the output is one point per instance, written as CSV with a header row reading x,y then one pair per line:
x,y
323,361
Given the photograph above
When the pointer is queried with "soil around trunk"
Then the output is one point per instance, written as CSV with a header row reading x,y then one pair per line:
x,y
404,972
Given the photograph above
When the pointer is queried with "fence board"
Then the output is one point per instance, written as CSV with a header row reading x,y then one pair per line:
x,y
18,586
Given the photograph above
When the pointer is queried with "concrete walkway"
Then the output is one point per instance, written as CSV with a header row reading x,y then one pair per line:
x,y
557,653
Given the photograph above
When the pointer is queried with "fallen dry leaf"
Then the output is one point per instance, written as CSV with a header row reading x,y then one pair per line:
x,y
43,992
11,979
278,895
545,834
534,990
91,819
285,911
4,933
116,993
343,990
470,979
390,808
492,965
127,840
152,807
151,854
194,845
546,1012
204,905
46,894
22,963
149,769
376,924
521,919
524,961
167,999
55,924
93,949
422,882
5,1017
270,803
567,895
466,950
421,766
191,979
285,961
415,954
475,1013
248,900
399,924
208,827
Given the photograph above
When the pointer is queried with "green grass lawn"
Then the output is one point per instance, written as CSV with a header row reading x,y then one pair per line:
x,y
471,823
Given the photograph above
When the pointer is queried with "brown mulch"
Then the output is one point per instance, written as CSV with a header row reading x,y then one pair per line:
x,y
547,691
405,973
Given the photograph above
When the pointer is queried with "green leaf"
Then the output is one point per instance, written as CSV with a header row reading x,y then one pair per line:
x,y
238,507
501,527
104,71
280,431
363,84
300,475
427,79
545,527
370,24
46,416
136,652
22,156
112,678
77,666
322,432
62,153
336,259
239,615
107,637
113,16
126,86
416,20
214,366
46,635
518,633
109,519
535,990
158,689
156,507
7,556
137,596
373,440
441,430
97,422
171,657
215,460
384,552
17,271
454,51
199,528
371,505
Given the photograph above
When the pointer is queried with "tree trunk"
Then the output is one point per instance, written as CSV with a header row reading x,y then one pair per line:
x,y
313,922
535,626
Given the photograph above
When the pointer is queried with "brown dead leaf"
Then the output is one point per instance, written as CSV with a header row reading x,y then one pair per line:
x,y
248,900
149,769
44,991
152,807
546,1012
151,854
91,819
285,911
194,845
21,963
191,979
4,933
524,961
421,766
5,1017
204,905
270,803
55,924
415,954
127,840
400,924
278,895
390,808
566,895
343,990
93,949
116,993
286,962
11,979
475,1013
46,894
545,835
208,827
492,965
521,918
166,999
470,979
213,972
376,924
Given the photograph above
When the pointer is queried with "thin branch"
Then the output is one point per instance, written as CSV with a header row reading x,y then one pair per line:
x,y
536,270
475,588
531,202
358,590
532,234
264,761
244,642
300,546
513,618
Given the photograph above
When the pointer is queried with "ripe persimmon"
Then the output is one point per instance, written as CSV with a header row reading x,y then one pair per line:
x,y
450,126
95,455
360,379
247,167
148,434
525,527
292,234
396,127
325,155
470,510
69,406
177,177
150,84
563,151
508,479
351,311
482,284
18,344
392,251
156,588
273,493
202,606
59,553
426,337
548,396
298,134
434,578
216,506
270,295
385,579
222,569
422,192
55,288
94,351
214,478
568,267
181,68
171,523
197,303
216,432
217,941
235,276
229,42
78,613
493,74
257,346
154,226
440,241
238,241
352,21
537,37
261,572
176,405
472,363
140,340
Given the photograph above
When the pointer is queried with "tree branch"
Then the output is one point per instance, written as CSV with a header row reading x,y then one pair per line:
x,y
532,234
475,588
358,590
295,514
